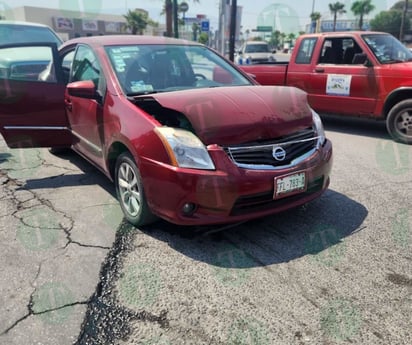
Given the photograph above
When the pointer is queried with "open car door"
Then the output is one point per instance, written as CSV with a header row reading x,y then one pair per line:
x,y
32,86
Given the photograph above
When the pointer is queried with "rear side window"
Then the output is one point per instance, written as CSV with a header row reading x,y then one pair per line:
x,y
305,52
26,34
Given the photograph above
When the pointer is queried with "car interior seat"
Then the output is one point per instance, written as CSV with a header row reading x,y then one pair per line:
x,y
135,75
160,75
348,55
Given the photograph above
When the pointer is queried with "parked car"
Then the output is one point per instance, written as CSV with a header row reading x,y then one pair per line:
x,y
252,52
24,32
183,133
14,63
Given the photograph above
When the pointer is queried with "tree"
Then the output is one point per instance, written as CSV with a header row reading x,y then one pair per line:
x,y
168,9
389,21
275,39
336,9
314,17
400,5
203,38
361,8
137,21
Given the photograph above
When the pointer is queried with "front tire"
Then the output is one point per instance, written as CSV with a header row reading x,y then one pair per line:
x,y
130,191
399,122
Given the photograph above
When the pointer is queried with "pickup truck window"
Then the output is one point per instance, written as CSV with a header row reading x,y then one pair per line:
x,y
387,48
305,52
339,50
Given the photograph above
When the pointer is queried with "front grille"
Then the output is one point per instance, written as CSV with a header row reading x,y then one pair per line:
x,y
265,201
261,154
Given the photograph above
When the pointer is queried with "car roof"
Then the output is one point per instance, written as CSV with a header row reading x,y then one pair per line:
x,y
346,33
108,40
22,23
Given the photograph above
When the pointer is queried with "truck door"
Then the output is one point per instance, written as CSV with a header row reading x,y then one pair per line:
x,y
339,83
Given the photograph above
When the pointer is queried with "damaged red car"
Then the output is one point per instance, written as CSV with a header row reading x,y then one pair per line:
x,y
181,131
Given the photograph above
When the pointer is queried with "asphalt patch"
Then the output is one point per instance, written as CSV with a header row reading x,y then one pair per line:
x,y
105,321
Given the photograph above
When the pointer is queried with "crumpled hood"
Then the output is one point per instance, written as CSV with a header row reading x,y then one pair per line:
x,y
240,114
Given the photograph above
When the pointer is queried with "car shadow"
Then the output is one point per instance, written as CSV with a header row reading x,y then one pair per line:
x,y
314,229
358,126
317,229
89,175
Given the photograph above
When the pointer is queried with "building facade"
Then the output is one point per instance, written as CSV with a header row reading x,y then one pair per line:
x,y
70,24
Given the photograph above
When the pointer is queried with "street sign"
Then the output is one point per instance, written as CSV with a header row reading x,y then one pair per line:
x,y
264,28
204,26
183,7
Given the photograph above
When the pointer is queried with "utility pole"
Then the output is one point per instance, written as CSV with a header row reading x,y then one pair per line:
x,y
175,19
232,35
405,10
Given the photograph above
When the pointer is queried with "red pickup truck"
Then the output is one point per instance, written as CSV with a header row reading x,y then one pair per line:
x,y
366,74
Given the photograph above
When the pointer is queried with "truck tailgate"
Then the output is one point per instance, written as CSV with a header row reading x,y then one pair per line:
x,y
267,74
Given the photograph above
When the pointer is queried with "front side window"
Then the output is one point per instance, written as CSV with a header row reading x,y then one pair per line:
x,y
85,66
144,69
24,63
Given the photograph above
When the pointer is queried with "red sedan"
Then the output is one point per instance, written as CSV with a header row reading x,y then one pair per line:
x,y
183,133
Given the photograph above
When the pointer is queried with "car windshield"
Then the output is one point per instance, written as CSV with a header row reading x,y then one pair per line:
x,y
152,68
12,33
257,48
387,48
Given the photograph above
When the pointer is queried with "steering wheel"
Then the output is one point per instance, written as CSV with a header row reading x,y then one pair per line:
x,y
200,76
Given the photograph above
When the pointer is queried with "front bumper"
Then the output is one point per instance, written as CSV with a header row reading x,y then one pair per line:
x,y
228,194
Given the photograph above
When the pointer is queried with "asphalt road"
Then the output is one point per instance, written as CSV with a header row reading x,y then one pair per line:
x,y
338,270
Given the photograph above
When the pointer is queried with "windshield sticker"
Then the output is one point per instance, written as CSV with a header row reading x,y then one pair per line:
x,y
338,84
140,86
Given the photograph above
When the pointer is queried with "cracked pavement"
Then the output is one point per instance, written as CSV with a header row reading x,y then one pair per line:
x,y
335,271
53,241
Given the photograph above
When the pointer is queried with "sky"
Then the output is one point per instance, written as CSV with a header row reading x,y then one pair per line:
x,y
297,11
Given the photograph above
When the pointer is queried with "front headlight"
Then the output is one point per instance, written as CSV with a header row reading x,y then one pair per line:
x,y
319,127
185,149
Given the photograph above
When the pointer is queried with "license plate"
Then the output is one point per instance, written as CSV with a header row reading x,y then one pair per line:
x,y
290,184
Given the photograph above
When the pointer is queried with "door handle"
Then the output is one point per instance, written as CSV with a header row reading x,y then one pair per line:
x,y
68,103
319,69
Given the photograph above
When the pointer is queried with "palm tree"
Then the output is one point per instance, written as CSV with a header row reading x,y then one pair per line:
x,y
137,21
336,8
314,17
361,8
168,9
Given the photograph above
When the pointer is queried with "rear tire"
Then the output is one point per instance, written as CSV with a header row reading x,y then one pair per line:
x,y
399,122
130,191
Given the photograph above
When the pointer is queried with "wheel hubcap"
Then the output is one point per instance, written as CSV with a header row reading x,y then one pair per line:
x,y
129,189
404,123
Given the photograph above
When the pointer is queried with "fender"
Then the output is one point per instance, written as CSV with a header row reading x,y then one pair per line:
x,y
395,96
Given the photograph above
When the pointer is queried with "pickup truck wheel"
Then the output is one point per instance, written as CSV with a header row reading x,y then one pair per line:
x,y
399,122
130,192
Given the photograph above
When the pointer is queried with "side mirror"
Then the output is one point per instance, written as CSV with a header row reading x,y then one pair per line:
x,y
274,51
83,89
